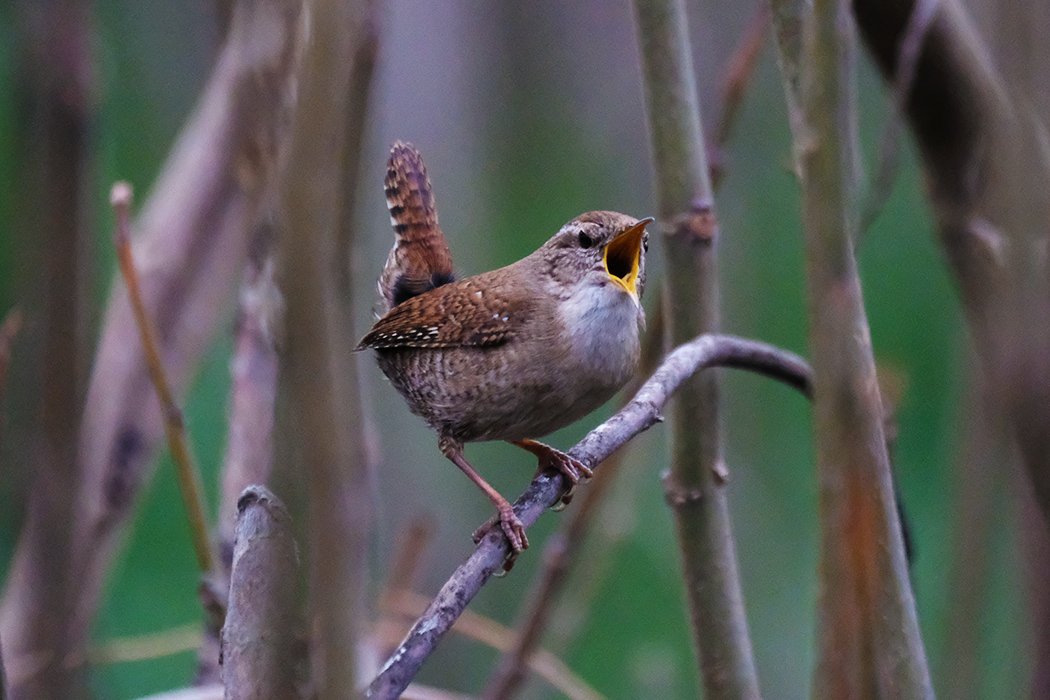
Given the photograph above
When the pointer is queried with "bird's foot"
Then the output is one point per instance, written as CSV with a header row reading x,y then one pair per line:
x,y
553,459
512,527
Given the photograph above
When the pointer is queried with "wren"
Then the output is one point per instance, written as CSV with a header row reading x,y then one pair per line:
x,y
516,353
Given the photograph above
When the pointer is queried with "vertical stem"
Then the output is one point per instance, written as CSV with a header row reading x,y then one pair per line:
x,y
695,484
868,638
259,634
322,419
55,152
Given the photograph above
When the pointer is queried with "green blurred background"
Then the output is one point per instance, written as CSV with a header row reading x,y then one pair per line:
x,y
528,114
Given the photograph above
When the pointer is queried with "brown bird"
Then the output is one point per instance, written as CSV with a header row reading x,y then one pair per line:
x,y
511,354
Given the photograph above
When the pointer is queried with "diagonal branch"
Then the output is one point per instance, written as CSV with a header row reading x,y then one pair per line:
x,y
546,489
186,471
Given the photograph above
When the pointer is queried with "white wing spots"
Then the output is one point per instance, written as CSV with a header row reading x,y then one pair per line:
x,y
393,221
504,319
478,294
495,317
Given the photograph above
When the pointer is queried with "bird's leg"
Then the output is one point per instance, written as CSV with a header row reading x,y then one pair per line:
x,y
511,524
551,458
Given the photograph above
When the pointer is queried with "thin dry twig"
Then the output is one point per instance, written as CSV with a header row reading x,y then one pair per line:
x,y
919,22
145,646
53,65
546,489
425,692
186,471
739,69
489,632
259,634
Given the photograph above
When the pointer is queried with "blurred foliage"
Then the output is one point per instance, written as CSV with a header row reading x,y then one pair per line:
x,y
529,113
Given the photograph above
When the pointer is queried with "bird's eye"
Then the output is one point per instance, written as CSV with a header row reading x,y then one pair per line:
x,y
645,244
585,240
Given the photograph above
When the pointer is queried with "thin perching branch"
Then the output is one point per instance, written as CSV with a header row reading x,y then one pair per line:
x,y
186,471
868,639
259,635
547,488
695,484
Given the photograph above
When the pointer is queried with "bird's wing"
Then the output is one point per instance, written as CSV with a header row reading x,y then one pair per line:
x,y
471,312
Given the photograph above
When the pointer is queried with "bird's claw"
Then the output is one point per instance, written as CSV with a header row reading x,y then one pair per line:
x,y
551,459
512,527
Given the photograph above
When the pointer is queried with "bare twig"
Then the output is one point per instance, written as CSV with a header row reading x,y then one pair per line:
x,y
788,17
320,417
259,635
739,69
687,211
253,369
546,489
487,631
911,44
145,646
869,644
186,471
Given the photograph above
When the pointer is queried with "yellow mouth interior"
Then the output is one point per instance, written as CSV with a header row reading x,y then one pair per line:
x,y
622,256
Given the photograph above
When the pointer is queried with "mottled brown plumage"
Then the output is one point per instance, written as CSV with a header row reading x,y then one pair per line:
x,y
420,259
519,352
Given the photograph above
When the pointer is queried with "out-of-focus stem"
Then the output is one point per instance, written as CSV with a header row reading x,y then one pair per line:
x,y
869,645
320,416
695,485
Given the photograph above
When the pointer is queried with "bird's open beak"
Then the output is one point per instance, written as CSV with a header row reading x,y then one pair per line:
x,y
623,256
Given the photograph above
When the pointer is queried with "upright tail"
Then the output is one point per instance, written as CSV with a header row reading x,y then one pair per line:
x,y
420,259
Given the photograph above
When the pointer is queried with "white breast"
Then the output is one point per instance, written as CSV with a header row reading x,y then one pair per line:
x,y
602,324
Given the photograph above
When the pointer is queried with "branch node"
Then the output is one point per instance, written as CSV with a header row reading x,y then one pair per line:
x,y
721,473
698,226
676,495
